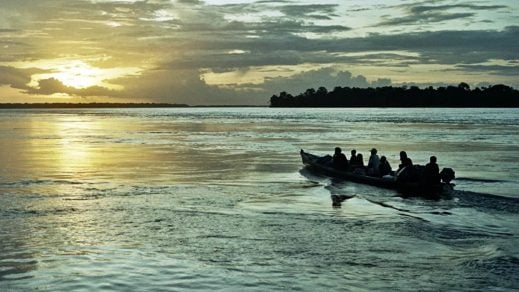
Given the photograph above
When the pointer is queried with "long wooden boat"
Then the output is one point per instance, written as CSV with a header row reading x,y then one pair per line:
x,y
320,165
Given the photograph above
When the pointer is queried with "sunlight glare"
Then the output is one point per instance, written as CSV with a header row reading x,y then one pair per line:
x,y
78,74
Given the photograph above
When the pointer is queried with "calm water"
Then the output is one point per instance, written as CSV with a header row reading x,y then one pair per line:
x,y
200,199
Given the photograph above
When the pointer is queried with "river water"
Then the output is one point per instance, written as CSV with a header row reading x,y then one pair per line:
x,y
217,198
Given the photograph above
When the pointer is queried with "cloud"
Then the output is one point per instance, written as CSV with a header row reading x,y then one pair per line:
x,y
491,69
451,47
15,77
280,26
417,9
190,1
327,77
181,86
315,11
440,47
425,18
173,42
52,85
428,14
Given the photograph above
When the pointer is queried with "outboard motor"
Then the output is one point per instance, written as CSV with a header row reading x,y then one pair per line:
x,y
447,175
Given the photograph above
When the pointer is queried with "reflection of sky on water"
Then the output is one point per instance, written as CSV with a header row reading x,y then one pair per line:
x,y
212,198
167,145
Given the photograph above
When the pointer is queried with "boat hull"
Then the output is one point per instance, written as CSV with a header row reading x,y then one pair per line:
x,y
406,188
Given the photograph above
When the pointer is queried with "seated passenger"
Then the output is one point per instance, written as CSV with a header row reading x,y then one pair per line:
x,y
339,159
404,160
373,163
384,167
432,172
406,171
353,158
359,167
360,160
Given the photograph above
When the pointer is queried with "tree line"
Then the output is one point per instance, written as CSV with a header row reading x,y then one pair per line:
x,y
413,96
86,105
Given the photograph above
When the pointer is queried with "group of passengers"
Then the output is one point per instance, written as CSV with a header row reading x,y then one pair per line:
x,y
380,167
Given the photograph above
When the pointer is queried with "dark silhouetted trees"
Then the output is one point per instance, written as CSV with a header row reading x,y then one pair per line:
x,y
413,96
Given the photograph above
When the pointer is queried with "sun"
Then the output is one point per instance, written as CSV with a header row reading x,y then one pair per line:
x,y
78,74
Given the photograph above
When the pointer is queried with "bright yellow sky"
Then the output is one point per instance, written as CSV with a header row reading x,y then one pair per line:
x,y
242,52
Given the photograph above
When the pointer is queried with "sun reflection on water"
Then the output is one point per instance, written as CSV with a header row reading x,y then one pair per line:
x,y
73,154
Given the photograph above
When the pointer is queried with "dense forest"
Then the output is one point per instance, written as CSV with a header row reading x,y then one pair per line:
x,y
413,96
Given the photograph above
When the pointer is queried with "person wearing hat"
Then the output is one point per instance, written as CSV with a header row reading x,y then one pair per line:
x,y
373,163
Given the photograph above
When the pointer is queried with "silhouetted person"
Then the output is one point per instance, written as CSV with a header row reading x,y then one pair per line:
x,y
353,158
359,167
404,160
360,160
339,159
373,163
432,172
384,167
406,171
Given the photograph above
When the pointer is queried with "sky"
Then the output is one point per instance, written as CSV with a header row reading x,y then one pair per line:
x,y
237,52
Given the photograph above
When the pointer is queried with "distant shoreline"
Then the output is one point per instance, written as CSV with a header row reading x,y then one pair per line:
x,y
107,105
158,105
461,96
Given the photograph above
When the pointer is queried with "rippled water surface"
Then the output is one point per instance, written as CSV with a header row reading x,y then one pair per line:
x,y
217,198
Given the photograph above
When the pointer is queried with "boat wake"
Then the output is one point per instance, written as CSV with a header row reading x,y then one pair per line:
x,y
487,201
484,180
